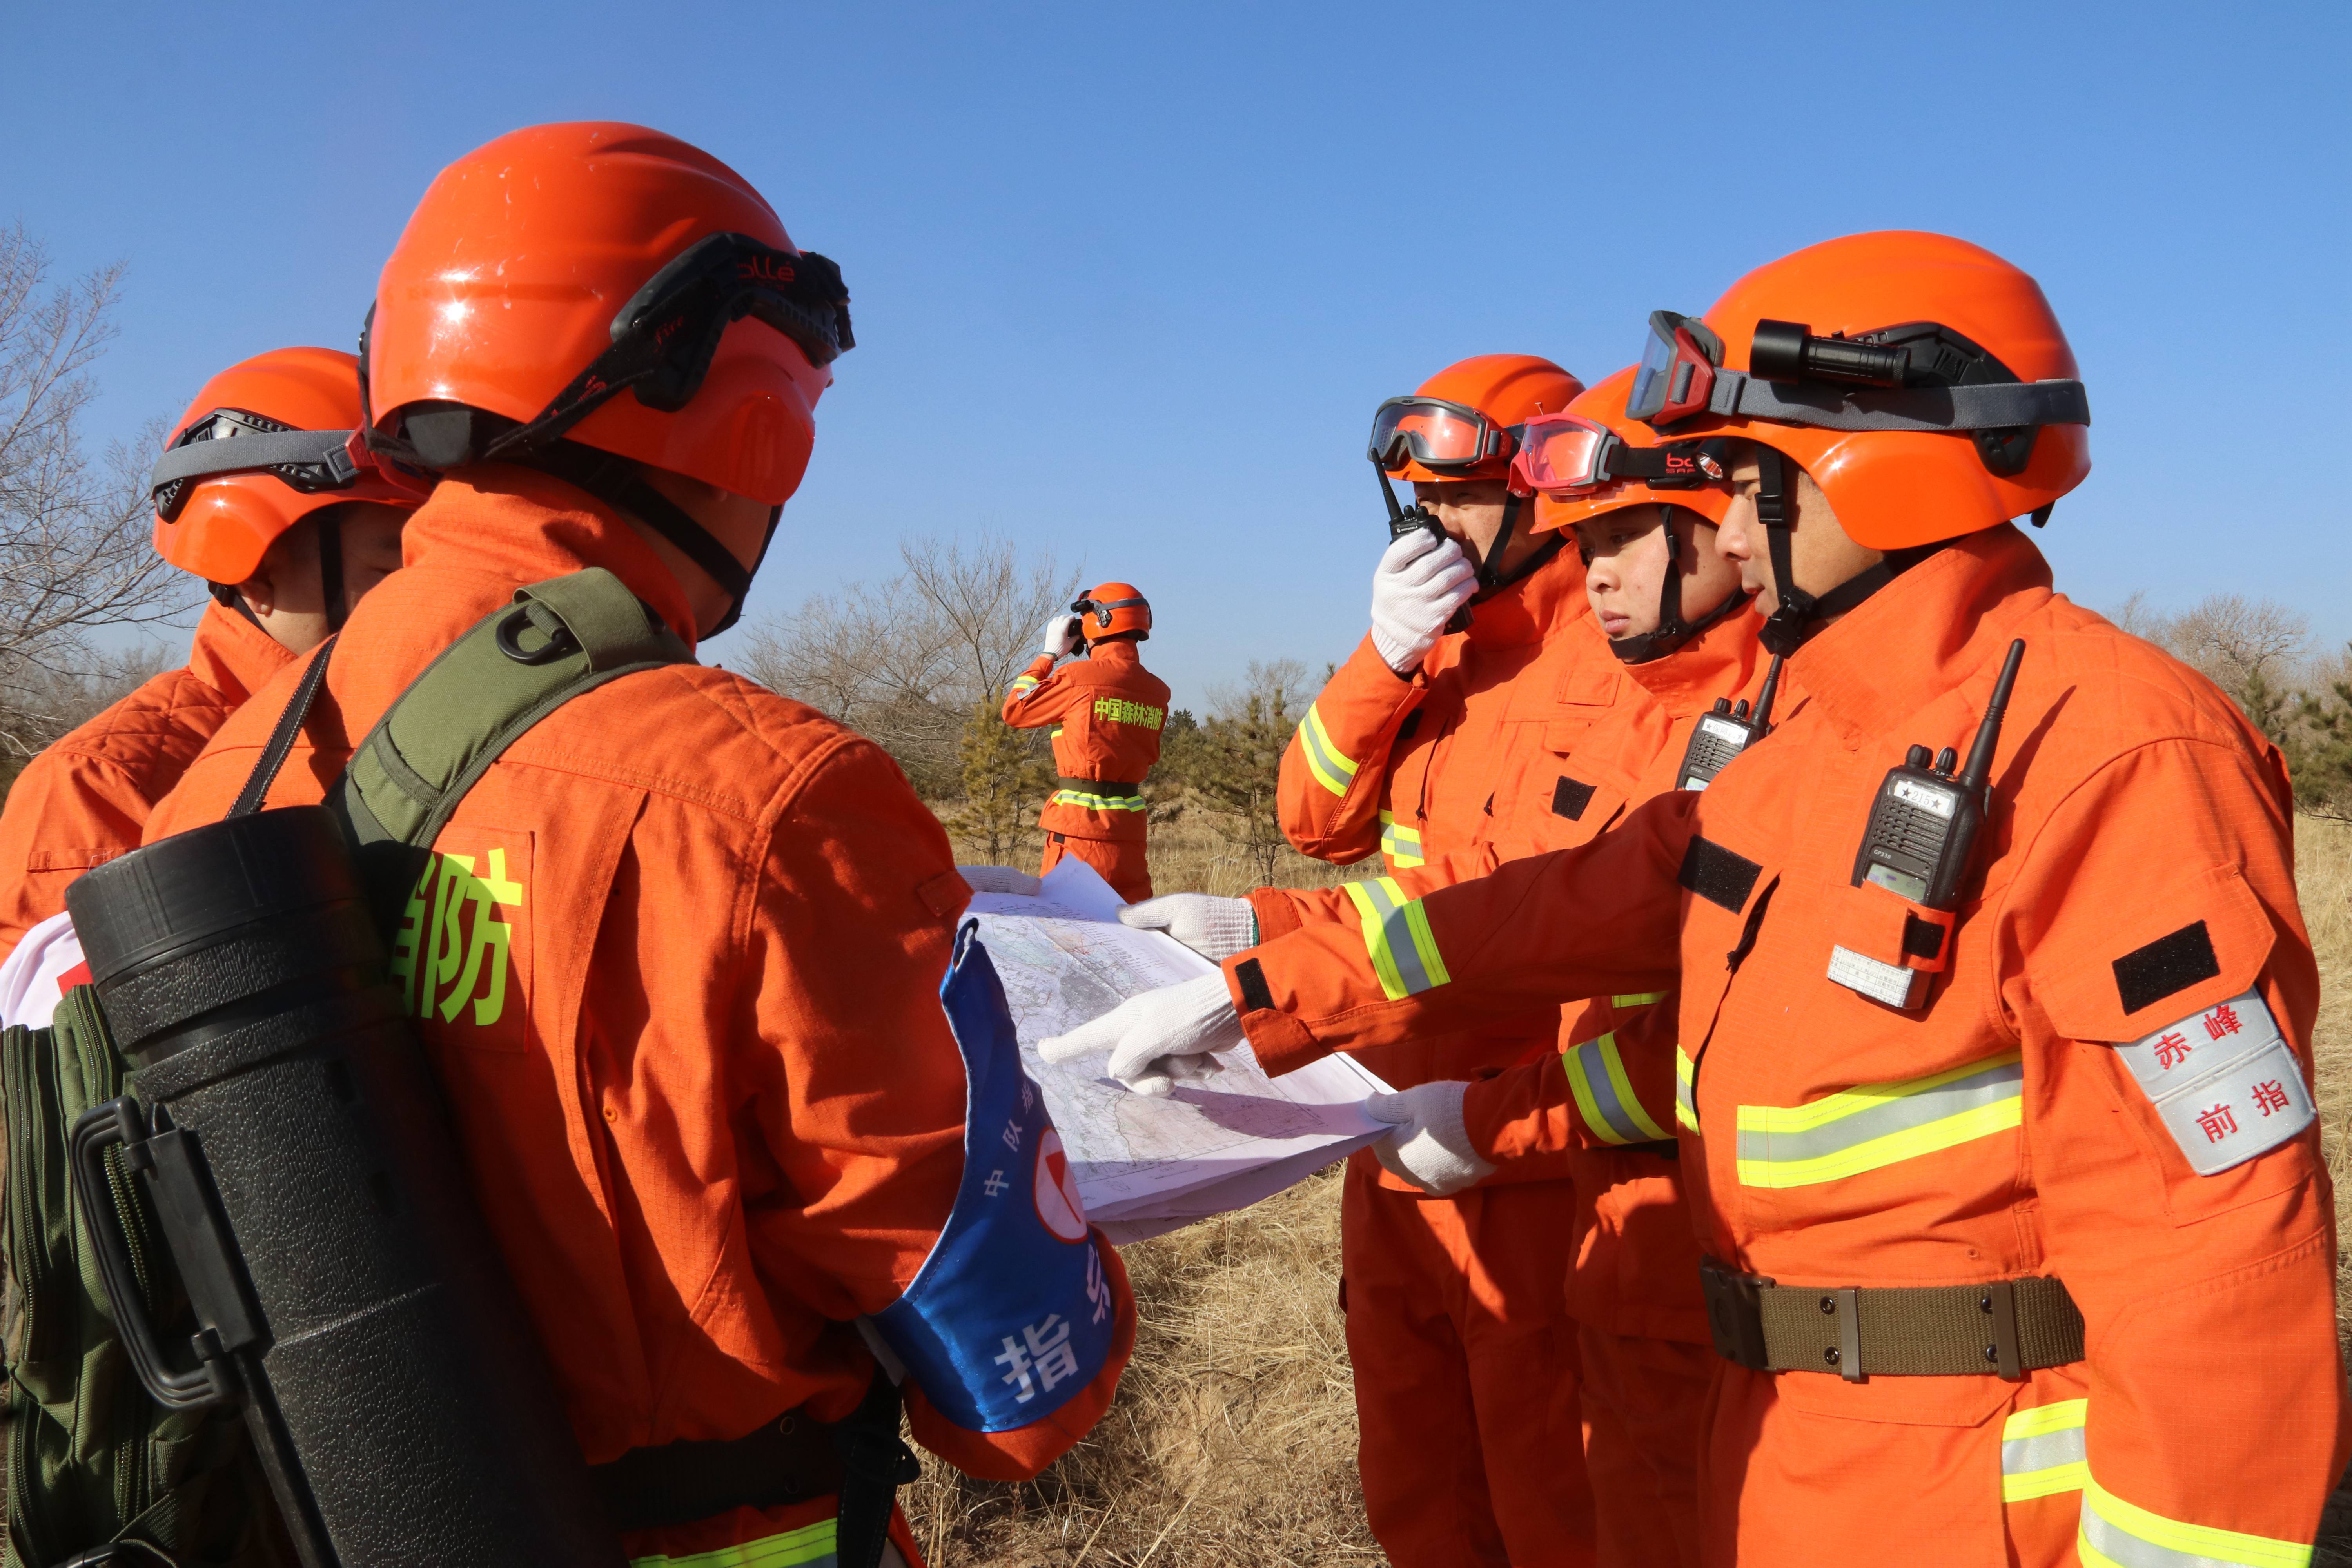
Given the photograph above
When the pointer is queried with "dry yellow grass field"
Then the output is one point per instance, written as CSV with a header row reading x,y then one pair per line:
x,y
1231,1442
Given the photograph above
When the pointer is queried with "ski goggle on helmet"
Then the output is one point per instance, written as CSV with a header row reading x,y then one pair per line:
x,y
1441,437
1565,455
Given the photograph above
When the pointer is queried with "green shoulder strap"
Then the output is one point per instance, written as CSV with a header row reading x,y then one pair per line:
x,y
516,666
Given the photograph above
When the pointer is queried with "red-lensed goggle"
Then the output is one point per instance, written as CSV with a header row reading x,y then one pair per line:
x,y
1567,455
1441,437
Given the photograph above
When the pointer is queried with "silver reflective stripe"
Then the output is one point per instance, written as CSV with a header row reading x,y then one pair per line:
x,y
1397,938
1874,1125
1612,1112
2042,1451
2118,1534
1333,771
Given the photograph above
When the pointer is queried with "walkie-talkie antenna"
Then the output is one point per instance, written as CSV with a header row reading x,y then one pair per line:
x,y
1760,724
1396,512
1979,768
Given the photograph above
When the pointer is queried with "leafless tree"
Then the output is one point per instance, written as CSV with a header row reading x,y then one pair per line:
x,y
74,555
908,663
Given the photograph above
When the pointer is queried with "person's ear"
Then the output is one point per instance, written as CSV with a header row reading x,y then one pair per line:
x,y
260,594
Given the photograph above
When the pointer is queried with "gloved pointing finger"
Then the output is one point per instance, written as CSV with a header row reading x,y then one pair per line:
x,y
1429,1147
1159,1036
1214,928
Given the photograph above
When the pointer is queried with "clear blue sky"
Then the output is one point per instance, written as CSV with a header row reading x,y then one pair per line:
x,y
1130,279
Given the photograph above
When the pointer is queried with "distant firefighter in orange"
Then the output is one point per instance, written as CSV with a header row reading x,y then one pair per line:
x,y
1106,714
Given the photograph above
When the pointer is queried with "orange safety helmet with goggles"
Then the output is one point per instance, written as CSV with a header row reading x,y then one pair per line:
x,y
1463,424
1110,610
1921,382
268,443
493,338
1589,460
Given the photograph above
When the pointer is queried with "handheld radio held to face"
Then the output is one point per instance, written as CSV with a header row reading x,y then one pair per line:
x,y
1403,520
1727,731
1923,828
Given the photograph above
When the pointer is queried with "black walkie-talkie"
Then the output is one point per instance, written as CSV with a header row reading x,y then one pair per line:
x,y
1725,733
1403,520
1923,826
1924,821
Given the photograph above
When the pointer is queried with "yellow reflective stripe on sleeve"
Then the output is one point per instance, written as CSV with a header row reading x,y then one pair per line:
x,y
1637,999
1596,1076
1873,1125
811,1546
2118,1534
1085,801
1022,685
1397,938
1330,767
1400,843
2042,1451
1685,1096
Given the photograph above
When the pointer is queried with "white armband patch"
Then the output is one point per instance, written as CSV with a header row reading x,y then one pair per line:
x,y
2225,1082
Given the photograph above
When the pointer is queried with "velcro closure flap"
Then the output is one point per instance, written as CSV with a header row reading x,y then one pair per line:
x,y
1590,686
2176,951
1885,925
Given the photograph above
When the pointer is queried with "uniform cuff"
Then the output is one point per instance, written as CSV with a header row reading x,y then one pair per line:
x,y
1278,915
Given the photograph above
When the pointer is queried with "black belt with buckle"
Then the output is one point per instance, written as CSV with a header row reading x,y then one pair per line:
x,y
2003,1328
1104,787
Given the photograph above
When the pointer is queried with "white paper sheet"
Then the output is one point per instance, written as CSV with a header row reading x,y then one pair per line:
x,y
1145,1166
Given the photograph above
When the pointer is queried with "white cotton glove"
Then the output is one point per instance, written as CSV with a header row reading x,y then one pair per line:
x,y
999,879
1214,928
1061,634
1159,1037
1429,1148
1421,580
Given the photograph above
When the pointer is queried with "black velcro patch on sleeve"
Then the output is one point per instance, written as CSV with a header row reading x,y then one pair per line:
x,y
1922,939
1570,797
1717,875
1256,997
2149,974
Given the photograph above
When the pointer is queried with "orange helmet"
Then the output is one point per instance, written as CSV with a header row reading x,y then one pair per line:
x,y
1463,422
578,290
1113,609
1921,380
1589,460
293,415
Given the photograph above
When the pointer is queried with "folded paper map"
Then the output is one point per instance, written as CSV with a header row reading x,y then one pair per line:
x,y
1143,1165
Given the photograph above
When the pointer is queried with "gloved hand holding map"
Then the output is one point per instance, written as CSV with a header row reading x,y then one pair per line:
x,y
1144,1166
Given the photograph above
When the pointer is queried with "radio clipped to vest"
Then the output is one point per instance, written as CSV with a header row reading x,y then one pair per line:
x,y
1725,733
1923,830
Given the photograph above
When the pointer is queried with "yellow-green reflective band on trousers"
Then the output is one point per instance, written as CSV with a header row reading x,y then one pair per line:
x,y
1396,939
1400,843
1873,1125
1086,801
1637,999
1332,770
811,1546
1685,1093
2118,1534
2042,1451
1596,1076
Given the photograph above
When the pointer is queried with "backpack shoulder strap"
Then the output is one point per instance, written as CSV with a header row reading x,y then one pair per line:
x,y
516,666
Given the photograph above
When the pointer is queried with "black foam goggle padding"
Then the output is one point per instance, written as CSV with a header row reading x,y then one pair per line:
x,y
664,338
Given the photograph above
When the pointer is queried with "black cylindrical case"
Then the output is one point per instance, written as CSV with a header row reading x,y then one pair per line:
x,y
401,1399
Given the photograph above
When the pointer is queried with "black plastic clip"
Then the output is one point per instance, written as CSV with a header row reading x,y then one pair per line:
x,y
559,640
1998,1303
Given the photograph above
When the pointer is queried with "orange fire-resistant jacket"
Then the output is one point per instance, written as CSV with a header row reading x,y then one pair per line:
x,y
706,1090
1108,711
85,798
2131,917
1458,765
1597,1093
